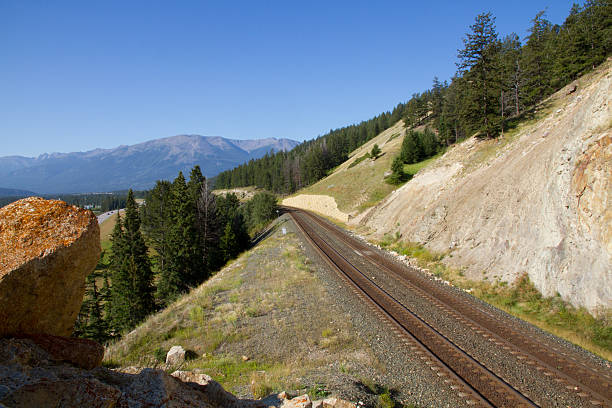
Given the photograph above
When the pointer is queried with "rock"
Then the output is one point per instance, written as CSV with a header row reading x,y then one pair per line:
x,y
303,401
76,392
31,377
82,353
48,248
155,388
175,356
337,403
213,391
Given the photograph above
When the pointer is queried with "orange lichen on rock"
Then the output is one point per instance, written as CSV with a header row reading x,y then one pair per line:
x,y
35,227
47,248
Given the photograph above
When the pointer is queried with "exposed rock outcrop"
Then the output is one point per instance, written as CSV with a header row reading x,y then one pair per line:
x,y
32,377
82,353
47,248
318,203
538,204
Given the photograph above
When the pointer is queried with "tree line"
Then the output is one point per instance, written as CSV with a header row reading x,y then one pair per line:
x,y
101,202
286,172
498,81
177,239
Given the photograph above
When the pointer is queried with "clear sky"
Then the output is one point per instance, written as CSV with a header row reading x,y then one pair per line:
x,y
79,75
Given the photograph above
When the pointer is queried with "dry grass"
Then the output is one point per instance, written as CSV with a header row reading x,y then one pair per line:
x,y
261,306
371,189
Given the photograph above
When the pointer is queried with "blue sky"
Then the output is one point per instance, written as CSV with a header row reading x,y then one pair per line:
x,y
79,75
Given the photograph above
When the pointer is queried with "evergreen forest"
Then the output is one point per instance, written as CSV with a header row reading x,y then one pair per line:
x,y
176,240
499,81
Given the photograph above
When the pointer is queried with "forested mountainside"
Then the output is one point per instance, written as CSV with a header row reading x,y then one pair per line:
x,y
498,82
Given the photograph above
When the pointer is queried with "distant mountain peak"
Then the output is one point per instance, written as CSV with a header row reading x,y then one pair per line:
x,y
135,166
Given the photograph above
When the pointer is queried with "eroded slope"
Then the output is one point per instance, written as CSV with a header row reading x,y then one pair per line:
x,y
538,202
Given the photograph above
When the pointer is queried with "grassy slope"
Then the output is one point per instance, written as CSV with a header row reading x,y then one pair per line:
x,y
259,306
106,229
351,196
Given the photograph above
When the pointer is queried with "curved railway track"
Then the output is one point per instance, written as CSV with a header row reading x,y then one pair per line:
x,y
479,385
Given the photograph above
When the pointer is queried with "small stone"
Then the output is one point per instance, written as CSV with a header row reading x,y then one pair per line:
x,y
175,356
303,401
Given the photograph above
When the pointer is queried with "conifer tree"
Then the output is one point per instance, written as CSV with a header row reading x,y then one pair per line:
x,y
412,150
229,243
479,64
537,60
119,302
132,278
156,221
96,328
183,244
375,152
138,262
208,227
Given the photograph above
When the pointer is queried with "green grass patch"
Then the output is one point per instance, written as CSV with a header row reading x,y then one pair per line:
x,y
393,136
411,249
374,198
359,160
521,299
229,369
412,169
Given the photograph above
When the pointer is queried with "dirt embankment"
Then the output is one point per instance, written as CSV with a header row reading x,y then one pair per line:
x,y
538,201
322,204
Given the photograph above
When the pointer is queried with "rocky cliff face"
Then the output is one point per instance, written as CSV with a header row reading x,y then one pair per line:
x,y
539,204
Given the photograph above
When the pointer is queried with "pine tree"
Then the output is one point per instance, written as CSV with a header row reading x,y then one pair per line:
x,y
138,262
119,302
479,64
96,328
375,152
229,244
132,278
156,221
538,60
412,150
208,228
184,255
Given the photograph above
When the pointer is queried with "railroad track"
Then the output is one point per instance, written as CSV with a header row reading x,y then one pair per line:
x,y
478,384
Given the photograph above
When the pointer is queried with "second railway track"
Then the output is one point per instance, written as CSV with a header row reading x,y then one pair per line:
x,y
484,386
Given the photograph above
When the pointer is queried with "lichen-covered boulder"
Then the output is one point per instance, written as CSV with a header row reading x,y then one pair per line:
x,y
47,248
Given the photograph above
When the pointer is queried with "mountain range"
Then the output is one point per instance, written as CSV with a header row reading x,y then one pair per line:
x,y
137,166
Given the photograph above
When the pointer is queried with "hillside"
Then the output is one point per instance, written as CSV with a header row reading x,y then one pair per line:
x,y
137,166
273,319
536,201
352,197
12,192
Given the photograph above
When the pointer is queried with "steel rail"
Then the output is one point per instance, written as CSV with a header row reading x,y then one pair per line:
x,y
485,386
585,381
